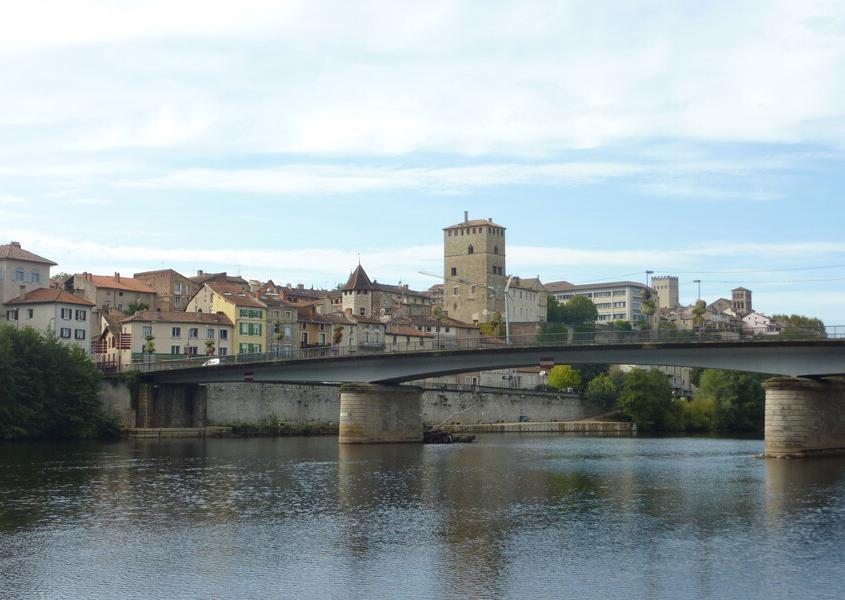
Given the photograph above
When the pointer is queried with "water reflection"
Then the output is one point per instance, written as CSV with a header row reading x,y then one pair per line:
x,y
508,516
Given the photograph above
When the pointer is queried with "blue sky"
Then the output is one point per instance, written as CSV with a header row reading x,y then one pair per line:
x,y
281,139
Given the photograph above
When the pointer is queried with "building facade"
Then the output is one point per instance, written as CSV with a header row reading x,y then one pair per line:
x,y
247,314
615,301
21,270
174,334
668,294
173,290
111,292
53,310
474,263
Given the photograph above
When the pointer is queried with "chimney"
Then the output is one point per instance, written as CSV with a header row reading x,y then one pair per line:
x,y
22,292
300,286
16,244
466,216
490,220
117,277
199,273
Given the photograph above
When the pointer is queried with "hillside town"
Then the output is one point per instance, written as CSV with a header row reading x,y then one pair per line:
x,y
159,315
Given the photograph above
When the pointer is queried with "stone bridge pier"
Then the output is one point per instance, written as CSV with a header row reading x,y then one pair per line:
x,y
171,405
804,417
380,414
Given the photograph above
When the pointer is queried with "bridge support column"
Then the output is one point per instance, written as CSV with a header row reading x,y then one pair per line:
x,y
380,414
804,417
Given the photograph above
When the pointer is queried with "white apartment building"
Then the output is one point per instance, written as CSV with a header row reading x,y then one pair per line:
x,y
615,301
53,310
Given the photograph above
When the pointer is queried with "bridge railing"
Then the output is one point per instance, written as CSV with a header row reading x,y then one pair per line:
x,y
597,337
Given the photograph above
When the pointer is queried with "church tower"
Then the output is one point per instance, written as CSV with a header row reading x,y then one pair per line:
x,y
474,262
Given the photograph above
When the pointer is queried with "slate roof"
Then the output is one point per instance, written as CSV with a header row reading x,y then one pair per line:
x,y
49,296
358,280
14,251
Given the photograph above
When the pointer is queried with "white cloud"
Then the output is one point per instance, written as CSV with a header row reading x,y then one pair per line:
x,y
16,200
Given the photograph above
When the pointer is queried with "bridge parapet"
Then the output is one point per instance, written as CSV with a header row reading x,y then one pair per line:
x,y
593,339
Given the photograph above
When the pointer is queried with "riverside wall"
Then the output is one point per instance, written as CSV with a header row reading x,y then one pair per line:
x,y
245,403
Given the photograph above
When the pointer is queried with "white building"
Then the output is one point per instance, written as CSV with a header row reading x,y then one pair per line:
x,y
757,324
54,310
615,301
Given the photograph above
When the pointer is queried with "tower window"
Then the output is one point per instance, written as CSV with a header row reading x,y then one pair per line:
x,y
470,250
495,249
454,271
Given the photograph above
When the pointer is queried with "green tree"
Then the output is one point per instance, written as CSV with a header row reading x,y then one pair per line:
x,y
47,389
649,307
564,376
738,399
495,327
136,306
337,334
800,326
698,312
646,398
602,391
438,314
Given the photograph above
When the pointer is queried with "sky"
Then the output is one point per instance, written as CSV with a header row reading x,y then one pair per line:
x,y
281,140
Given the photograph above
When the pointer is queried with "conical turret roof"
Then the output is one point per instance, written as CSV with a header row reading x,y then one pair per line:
x,y
358,280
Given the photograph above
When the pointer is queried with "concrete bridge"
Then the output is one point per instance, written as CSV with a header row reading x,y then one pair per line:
x,y
805,405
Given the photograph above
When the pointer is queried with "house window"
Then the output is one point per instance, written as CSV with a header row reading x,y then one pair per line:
x,y
176,332
454,271
209,333
224,334
193,332
64,332
303,337
120,306
177,302
288,331
322,339
470,250
179,289
223,352
79,334
175,350
81,315
35,277
18,275
245,312
191,350
30,313
288,315
11,315
147,331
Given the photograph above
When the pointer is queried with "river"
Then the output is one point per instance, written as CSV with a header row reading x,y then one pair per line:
x,y
529,516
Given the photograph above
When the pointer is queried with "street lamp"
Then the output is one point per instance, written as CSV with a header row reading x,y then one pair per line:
x,y
698,281
647,273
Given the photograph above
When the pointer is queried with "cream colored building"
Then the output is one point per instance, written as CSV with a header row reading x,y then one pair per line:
x,y
57,311
175,334
21,270
474,270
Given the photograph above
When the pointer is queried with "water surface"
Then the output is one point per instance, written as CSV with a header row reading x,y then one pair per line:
x,y
510,516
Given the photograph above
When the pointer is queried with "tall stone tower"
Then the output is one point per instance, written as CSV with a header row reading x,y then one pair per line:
x,y
741,301
666,287
474,262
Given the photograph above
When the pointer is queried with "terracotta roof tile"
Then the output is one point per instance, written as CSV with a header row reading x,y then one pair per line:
x,y
50,295
111,282
170,316
234,294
